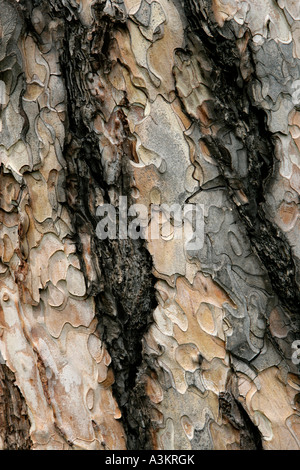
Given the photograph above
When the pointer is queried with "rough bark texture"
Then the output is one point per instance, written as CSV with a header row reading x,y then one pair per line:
x,y
14,423
147,344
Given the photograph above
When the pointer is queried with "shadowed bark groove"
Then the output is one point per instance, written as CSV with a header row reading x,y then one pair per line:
x,y
237,111
250,437
122,283
14,421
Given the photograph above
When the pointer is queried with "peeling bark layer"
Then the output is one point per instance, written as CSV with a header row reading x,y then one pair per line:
x,y
148,344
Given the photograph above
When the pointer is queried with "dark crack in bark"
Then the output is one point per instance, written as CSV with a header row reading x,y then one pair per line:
x,y
250,437
236,110
119,272
231,408
14,420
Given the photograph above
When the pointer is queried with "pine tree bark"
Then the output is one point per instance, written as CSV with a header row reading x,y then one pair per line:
x,y
139,343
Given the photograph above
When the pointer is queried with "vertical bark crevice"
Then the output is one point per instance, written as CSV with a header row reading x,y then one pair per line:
x,y
14,420
119,272
232,409
237,113
125,311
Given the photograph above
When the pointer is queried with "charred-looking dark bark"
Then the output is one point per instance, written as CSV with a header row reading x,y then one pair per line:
x,y
250,437
237,112
124,315
122,281
14,421
231,408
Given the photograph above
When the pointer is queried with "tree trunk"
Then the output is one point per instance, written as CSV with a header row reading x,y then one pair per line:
x,y
143,342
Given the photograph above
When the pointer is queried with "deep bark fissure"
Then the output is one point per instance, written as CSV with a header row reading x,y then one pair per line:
x,y
124,284
239,114
232,409
14,420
